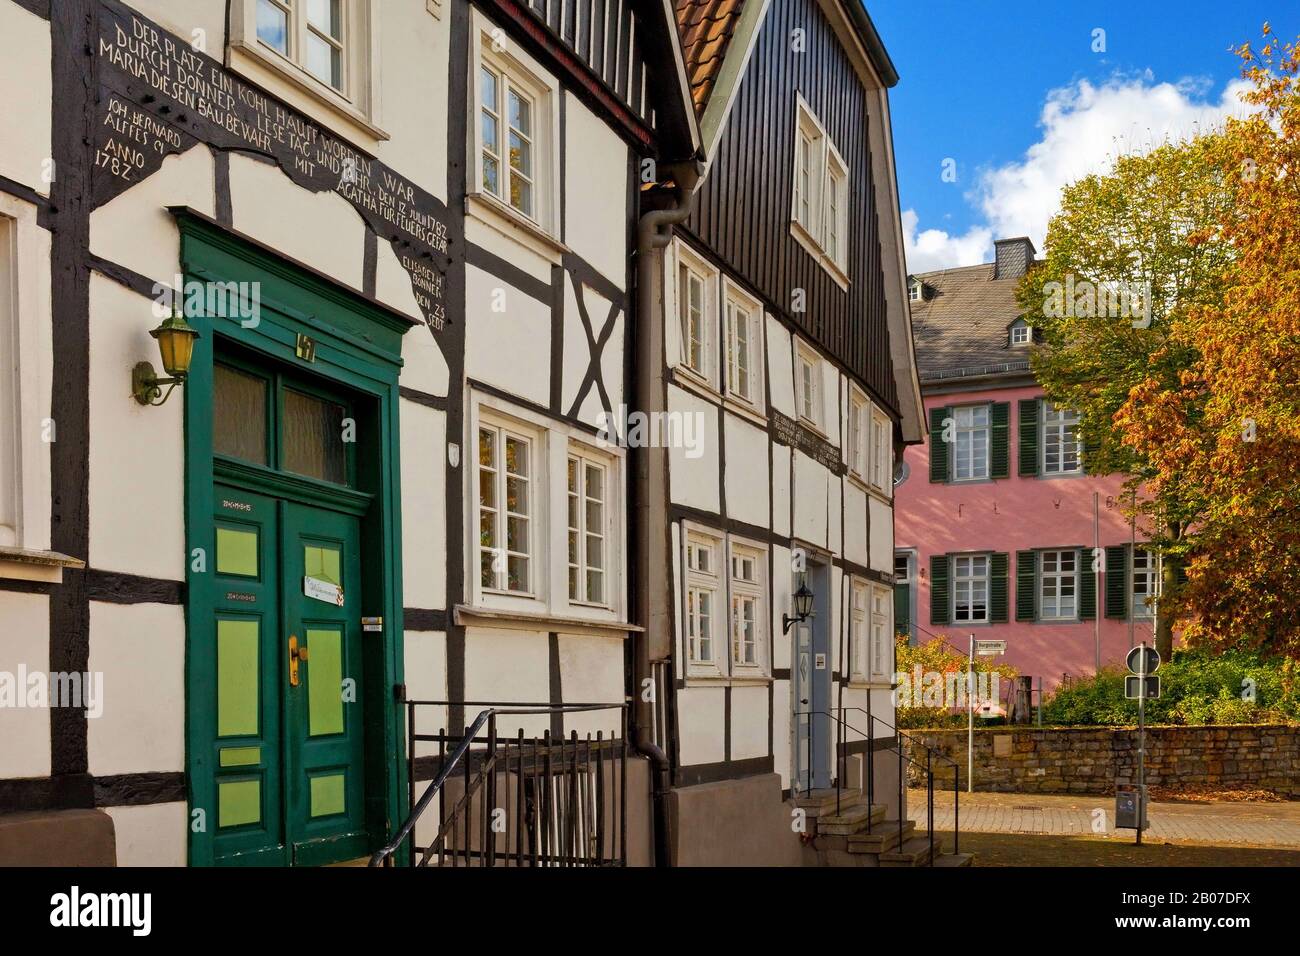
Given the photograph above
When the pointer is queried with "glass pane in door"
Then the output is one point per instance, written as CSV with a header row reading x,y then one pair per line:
x,y
312,433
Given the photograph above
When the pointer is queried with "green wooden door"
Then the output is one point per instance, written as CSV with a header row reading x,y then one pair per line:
x,y
324,750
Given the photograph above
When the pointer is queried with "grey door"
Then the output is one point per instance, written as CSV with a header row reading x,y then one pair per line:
x,y
812,696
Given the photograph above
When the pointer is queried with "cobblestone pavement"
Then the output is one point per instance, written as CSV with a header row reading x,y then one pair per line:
x,y
1257,824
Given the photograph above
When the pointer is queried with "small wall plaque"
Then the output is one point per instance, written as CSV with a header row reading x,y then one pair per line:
x,y
306,349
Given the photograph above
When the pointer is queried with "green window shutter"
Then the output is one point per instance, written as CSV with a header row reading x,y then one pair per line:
x,y
1117,581
938,447
998,588
938,589
1029,437
1026,578
999,443
1087,586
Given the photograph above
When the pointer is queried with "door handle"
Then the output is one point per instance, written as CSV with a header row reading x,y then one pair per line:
x,y
297,653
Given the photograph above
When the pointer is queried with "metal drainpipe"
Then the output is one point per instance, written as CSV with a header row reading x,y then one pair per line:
x,y
652,234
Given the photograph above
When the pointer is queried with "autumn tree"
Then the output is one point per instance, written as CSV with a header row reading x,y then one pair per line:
x,y
1128,253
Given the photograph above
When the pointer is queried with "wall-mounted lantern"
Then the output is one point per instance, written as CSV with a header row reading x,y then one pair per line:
x,y
803,602
175,339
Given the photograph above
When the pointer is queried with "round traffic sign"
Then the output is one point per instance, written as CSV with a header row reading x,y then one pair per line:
x,y
1143,655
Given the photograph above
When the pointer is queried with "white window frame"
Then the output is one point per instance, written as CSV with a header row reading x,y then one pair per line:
x,y
700,582
754,591
808,395
685,262
815,162
585,462
1060,581
975,434
914,291
1056,425
882,633
504,431
882,452
859,630
736,303
1140,610
357,99
1016,338
974,572
525,74
859,434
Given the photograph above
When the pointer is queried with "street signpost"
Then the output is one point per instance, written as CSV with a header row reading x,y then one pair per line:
x,y
1142,685
983,649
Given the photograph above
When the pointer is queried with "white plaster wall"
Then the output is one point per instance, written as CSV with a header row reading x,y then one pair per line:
x,y
702,715
137,518
183,17
152,835
596,171
855,524
831,417
882,536
780,370
781,753
511,243
694,481
810,494
321,230
611,359
782,604
140,648
425,674
675,596
25,624
781,490
748,722
392,281
413,61
25,89
510,349
577,353
424,368
746,471
424,526
507,664
136,230
591,672
834,504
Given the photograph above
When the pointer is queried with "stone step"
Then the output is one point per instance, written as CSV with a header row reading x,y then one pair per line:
x,y
954,859
849,821
913,852
883,836
821,802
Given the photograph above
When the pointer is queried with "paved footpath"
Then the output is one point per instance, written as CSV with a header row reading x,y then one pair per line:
x,y
1258,824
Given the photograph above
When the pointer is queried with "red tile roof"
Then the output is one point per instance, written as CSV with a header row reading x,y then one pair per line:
x,y
706,28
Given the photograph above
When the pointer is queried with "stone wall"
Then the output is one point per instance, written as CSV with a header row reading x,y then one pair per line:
x,y
1095,759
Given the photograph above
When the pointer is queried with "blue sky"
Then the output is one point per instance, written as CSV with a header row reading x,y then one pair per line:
x,y
1012,92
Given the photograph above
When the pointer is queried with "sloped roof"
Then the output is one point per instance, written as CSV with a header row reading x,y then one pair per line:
x,y
706,28
960,328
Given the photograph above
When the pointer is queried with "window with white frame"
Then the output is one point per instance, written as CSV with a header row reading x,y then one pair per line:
x,y
915,290
588,528
1146,582
744,348
748,620
506,493
515,160
859,629
882,451
1058,582
1020,334
882,643
970,442
1060,441
820,194
696,295
970,588
703,591
310,33
859,425
808,385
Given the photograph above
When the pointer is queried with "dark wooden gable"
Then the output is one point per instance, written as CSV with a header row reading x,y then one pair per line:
x,y
743,208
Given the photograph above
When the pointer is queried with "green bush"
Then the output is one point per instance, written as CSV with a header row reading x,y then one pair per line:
x,y
1197,687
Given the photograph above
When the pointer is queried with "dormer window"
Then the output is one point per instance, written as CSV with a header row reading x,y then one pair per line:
x,y
916,290
1021,334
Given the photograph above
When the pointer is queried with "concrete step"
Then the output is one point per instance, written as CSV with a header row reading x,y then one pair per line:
x,y
883,836
850,821
821,802
954,859
913,852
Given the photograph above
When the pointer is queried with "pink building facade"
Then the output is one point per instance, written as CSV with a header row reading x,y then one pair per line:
x,y
1000,531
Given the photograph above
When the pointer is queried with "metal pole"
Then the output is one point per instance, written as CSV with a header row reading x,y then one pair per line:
x,y
1096,579
970,718
1142,739
1132,552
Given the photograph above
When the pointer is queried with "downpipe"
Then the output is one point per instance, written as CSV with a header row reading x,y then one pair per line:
x,y
653,233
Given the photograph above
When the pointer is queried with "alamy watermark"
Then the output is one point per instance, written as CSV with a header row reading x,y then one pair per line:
x,y
633,429
1084,299
241,301
947,689
39,690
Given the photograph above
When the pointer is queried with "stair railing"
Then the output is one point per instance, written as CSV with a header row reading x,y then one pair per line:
x,y
564,793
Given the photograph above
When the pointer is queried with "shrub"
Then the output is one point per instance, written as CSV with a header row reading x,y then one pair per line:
x,y
938,656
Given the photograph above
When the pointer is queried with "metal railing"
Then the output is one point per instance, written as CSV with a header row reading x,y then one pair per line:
x,y
547,800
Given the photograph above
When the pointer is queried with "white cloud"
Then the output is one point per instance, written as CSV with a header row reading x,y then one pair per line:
x,y
1083,127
